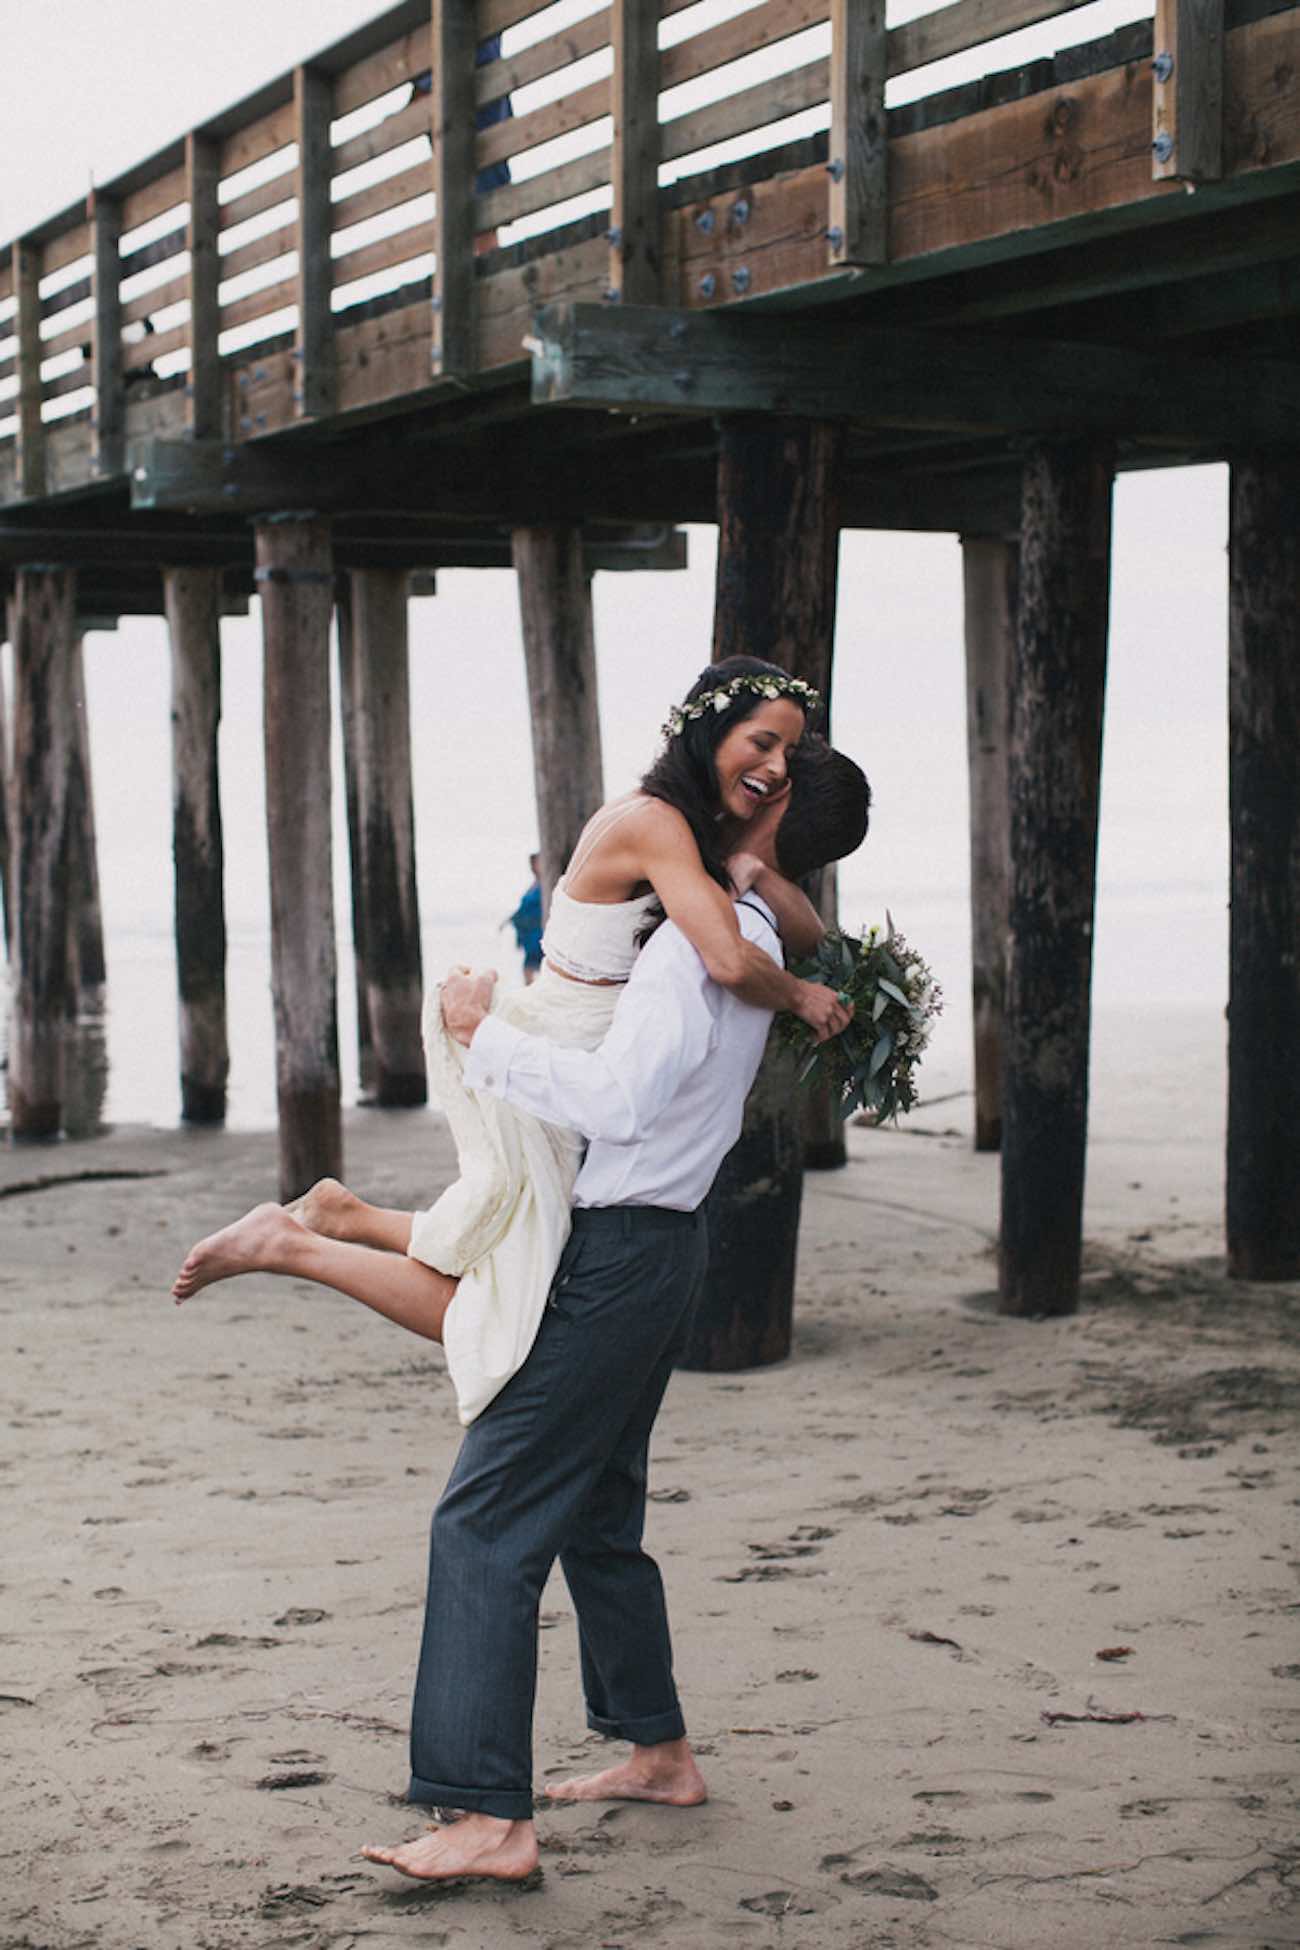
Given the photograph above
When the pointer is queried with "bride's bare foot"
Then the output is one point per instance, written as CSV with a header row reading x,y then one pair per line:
x,y
477,1845
261,1242
327,1208
665,1773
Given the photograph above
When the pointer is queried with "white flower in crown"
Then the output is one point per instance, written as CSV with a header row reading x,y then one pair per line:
x,y
722,700
770,690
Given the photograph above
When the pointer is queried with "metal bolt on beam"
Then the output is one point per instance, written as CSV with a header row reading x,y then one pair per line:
x,y
704,220
740,279
1163,147
835,170
740,210
611,295
835,237
614,237
1162,67
677,330
708,285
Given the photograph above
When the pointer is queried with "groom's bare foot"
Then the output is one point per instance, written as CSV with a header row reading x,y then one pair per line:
x,y
666,1773
477,1845
328,1208
260,1242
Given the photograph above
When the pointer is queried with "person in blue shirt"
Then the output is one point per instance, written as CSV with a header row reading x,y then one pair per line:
x,y
527,923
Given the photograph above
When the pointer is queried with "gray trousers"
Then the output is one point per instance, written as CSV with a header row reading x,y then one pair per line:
x,y
556,1466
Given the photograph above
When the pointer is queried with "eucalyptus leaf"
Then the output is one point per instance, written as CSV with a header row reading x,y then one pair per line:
x,y
879,1006
897,994
881,1054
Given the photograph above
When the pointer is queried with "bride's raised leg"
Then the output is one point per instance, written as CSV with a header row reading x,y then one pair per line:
x,y
270,1240
334,1212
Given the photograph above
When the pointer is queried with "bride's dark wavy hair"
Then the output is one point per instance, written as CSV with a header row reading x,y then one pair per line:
x,y
685,774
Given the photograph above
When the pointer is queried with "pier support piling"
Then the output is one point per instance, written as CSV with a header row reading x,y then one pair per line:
x,y
1263,1162
44,642
990,568
778,551
378,693
560,656
6,838
352,800
1058,688
295,581
86,965
193,604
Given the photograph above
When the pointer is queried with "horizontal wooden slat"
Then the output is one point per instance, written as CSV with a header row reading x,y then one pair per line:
x,y
965,24
753,108
414,120
494,16
152,199
258,140
78,334
145,303
372,202
542,124
515,200
384,253
69,382
252,203
145,256
763,26
144,351
7,278
274,297
388,67
557,51
382,358
262,250
509,300
7,369
67,247
71,294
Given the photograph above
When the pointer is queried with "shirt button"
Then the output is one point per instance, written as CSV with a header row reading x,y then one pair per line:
x,y
490,1081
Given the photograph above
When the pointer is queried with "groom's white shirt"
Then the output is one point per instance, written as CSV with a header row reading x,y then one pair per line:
x,y
663,1098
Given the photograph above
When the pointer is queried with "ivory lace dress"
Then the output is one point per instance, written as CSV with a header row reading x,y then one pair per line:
x,y
503,1223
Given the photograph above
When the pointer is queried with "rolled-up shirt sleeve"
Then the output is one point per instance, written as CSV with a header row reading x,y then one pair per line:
x,y
663,1029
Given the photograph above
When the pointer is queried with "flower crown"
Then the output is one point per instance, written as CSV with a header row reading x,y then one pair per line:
x,y
775,685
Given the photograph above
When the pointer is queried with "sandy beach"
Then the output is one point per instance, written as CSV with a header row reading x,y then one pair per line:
x,y
986,1630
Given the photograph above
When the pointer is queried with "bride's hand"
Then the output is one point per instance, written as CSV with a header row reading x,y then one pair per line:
x,y
466,999
744,869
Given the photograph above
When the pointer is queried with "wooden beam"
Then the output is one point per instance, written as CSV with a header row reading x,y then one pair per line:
x,y
109,417
455,324
296,581
7,885
30,439
560,658
1058,685
314,338
203,389
1187,91
347,674
858,230
44,636
706,363
193,601
390,904
990,569
86,966
635,256
1263,1165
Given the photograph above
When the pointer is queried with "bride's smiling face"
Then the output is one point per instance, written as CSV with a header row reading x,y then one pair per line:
x,y
751,760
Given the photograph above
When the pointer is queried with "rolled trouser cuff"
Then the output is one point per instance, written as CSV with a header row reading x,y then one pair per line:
x,y
648,1730
506,1804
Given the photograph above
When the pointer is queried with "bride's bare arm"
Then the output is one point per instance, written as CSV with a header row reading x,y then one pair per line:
x,y
799,924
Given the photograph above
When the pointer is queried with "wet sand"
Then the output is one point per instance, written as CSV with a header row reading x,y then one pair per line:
x,y
894,1565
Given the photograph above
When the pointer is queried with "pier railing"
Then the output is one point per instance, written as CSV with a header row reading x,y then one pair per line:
x,y
394,211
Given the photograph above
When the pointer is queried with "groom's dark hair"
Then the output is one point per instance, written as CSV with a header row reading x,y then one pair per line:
x,y
830,802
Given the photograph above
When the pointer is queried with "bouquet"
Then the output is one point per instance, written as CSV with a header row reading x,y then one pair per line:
x,y
871,1065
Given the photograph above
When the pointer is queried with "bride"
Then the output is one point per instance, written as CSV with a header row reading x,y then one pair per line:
x,y
474,1270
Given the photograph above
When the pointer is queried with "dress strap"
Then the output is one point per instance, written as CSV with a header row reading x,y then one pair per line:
x,y
583,852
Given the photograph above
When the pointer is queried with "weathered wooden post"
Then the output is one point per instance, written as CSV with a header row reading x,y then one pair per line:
x,y
295,580
6,842
193,602
1058,690
389,944
352,799
44,637
990,567
778,550
1263,1164
560,657
86,968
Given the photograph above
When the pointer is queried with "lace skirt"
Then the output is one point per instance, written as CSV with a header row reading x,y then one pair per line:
x,y
501,1226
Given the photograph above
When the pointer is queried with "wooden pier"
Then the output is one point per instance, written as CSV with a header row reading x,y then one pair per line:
x,y
472,287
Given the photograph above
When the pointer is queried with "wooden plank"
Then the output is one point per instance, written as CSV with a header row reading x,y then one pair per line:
x,y
509,73
383,358
1187,97
206,269
990,567
262,250
730,40
106,337
1263,1161
378,73
1057,687
766,236
6,273
494,16
152,200
541,192
404,187
859,184
415,241
258,140
560,117
146,257
751,109
67,247
30,433
72,294
455,301
143,352
404,125
963,25
71,335
251,203
78,380
314,341
146,303
274,297
635,258
510,301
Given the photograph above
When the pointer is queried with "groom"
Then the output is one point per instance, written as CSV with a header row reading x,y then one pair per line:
x,y
556,1465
